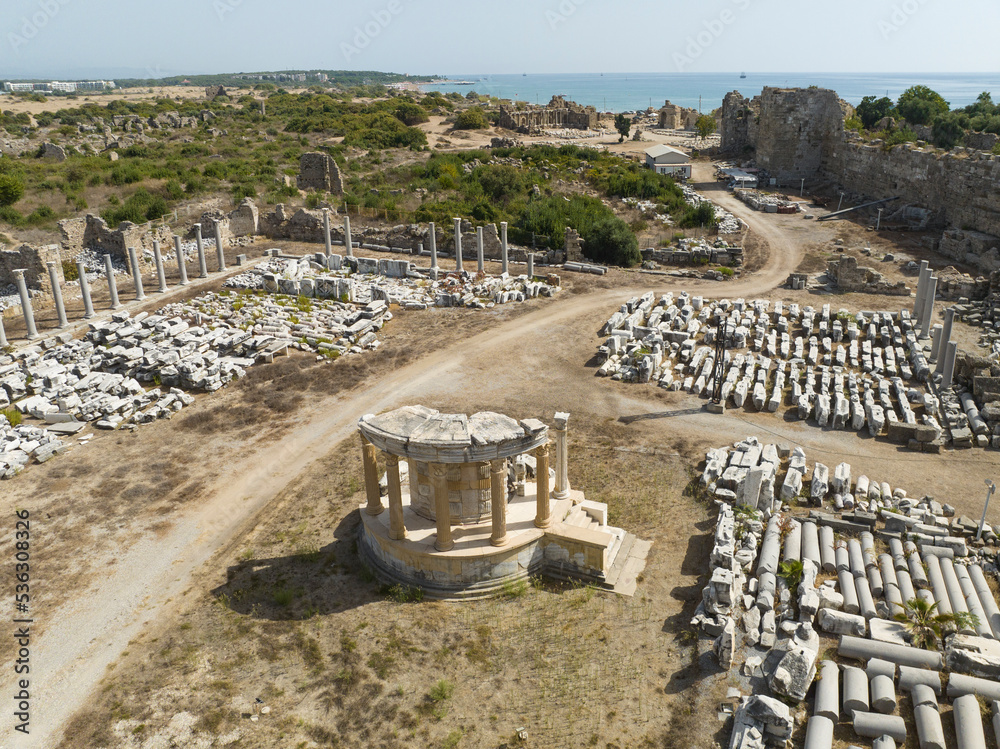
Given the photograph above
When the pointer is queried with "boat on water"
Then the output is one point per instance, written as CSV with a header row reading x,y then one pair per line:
x,y
743,75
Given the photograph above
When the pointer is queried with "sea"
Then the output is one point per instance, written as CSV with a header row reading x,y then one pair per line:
x,y
627,92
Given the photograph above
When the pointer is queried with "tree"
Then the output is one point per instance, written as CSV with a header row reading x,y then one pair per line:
x,y
927,626
919,105
410,113
871,110
11,189
611,241
947,130
500,182
705,125
622,124
471,119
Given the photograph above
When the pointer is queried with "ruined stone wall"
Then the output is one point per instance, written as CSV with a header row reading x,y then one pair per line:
x,y
673,117
961,187
851,277
981,141
33,260
93,233
972,247
557,113
318,171
738,126
798,131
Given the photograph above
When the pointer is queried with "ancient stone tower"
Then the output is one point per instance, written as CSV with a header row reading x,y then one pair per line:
x,y
318,171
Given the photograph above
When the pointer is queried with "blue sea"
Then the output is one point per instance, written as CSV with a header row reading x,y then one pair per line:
x,y
620,92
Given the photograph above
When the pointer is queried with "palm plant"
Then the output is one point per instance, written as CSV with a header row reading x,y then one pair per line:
x,y
791,573
927,626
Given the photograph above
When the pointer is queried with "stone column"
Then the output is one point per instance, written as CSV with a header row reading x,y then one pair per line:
x,y
480,257
29,316
949,364
133,260
112,285
434,246
949,319
202,264
562,456
935,343
371,478
181,265
326,232
498,501
442,507
348,241
458,245
503,246
542,519
397,530
3,333
921,283
161,275
88,305
531,265
219,252
57,293
931,290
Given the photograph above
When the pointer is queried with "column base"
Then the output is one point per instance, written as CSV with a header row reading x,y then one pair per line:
x,y
560,495
373,512
543,523
502,541
447,546
400,537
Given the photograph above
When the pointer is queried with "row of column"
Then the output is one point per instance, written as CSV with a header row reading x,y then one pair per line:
x,y
348,240
480,253
439,482
88,307
943,349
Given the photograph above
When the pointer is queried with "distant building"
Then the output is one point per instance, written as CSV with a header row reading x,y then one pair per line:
x,y
558,113
673,117
668,160
66,87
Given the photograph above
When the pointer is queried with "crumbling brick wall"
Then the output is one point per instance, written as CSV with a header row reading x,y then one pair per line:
x,y
738,126
93,233
33,260
318,171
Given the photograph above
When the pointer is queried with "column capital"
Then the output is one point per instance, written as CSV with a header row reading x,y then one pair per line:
x,y
498,465
542,450
390,459
19,272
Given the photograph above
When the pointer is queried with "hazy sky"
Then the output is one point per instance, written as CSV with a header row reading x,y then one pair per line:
x,y
139,38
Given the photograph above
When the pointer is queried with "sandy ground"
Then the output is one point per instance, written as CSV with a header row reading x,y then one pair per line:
x,y
139,571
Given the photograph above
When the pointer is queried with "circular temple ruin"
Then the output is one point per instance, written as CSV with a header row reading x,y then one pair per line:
x,y
473,505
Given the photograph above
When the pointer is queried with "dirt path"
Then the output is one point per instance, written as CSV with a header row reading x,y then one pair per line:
x,y
535,360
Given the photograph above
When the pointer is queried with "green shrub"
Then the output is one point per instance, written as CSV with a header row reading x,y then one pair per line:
x,y
472,119
243,191
11,189
612,242
13,416
70,272
140,207
40,215
702,215
726,271
313,200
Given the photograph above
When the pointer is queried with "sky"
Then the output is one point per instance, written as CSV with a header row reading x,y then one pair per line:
x,y
142,38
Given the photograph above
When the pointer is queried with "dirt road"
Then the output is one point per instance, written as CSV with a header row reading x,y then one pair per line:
x,y
536,361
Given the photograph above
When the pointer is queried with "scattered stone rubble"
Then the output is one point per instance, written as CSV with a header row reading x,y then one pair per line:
x,y
882,550
205,343
728,223
767,202
841,370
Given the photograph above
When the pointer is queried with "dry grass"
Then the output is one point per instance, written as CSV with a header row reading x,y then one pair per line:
x,y
299,623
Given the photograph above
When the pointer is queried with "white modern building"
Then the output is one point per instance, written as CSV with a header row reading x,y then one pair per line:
x,y
664,159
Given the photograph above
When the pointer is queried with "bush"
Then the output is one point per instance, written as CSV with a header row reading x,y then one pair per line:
x,y
140,207
13,416
472,119
11,189
702,215
501,182
242,191
612,242
947,131
410,114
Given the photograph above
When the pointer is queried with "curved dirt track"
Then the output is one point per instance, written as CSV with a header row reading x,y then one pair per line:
x,y
536,360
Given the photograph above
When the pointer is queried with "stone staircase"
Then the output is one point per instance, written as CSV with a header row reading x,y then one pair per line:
x,y
626,554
